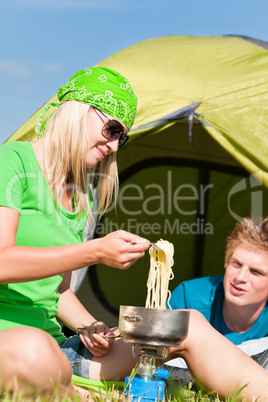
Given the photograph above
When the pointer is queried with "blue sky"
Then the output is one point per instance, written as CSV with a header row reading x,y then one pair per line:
x,y
43,42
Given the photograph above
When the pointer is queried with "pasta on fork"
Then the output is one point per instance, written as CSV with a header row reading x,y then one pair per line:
x,y
160,273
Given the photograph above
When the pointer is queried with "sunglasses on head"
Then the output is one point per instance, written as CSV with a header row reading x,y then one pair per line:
x,y
112,130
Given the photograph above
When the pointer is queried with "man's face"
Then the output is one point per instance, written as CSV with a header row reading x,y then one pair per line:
x,y
246,277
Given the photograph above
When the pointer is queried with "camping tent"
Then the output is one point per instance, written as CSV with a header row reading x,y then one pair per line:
x,y
196,161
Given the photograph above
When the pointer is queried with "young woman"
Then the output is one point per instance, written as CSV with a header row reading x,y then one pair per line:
x,y
44,204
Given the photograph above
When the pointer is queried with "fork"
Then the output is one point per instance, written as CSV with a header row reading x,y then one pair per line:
x,y
155,246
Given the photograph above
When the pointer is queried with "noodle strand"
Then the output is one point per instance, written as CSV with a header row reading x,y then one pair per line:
x,y
160,274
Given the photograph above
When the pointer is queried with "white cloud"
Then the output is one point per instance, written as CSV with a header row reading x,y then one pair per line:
x,y
18,70
74,4
26,89
51,68
93,5
14,69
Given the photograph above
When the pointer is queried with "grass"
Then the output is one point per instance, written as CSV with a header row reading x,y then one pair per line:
x,y
110,394
110,391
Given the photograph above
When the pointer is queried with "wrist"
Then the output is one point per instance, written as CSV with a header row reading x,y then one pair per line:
x,y
92,250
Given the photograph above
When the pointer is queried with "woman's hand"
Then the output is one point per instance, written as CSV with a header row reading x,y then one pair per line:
x,y
121,249
94,338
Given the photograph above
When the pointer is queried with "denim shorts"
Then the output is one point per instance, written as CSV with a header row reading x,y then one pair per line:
x,y
79,356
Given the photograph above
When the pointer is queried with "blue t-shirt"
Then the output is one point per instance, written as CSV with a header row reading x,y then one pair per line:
x,y
206,295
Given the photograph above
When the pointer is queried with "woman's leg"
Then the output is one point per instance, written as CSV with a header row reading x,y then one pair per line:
x,y
217,364
115,365
32,356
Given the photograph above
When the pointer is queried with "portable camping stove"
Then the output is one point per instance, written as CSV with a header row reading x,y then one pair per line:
x,y
148,384
150,329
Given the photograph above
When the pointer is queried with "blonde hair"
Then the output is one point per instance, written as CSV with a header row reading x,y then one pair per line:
x,y
65,147
251,232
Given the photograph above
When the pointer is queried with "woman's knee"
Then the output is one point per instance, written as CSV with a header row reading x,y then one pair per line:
x,y
34,356
29,346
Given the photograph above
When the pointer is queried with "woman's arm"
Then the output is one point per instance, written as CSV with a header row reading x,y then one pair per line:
x,y
71,311
19,263
74,315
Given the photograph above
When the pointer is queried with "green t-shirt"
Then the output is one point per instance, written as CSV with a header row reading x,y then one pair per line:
x,y
24,188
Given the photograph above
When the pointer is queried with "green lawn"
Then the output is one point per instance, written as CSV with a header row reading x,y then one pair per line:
x,y
108,393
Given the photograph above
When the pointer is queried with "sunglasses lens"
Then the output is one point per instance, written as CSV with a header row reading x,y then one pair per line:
x,y
112,130
122,140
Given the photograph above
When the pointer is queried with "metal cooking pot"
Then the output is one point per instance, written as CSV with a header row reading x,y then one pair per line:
x,y
156,327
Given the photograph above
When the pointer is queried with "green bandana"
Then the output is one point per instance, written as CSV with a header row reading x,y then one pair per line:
x,y
101,87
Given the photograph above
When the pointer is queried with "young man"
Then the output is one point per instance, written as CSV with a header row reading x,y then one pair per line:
x,y
235,303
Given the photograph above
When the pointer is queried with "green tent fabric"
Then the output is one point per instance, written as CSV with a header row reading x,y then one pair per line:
x,y
196,161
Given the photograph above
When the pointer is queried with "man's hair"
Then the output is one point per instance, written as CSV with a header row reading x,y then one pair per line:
x,y
251,232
